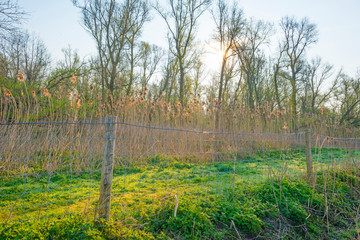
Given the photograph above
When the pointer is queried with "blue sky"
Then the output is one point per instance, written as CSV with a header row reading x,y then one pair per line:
x,y
57,23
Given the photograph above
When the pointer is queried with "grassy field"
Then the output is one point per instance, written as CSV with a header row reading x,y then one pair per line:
x,y
264,196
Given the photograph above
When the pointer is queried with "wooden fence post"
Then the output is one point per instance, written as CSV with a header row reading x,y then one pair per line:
x,y
107,169
309,163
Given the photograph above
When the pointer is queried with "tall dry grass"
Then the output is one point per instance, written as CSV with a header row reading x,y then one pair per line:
x,y
66,147
27,104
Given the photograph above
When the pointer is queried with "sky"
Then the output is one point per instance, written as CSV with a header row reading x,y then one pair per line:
x,y
58,24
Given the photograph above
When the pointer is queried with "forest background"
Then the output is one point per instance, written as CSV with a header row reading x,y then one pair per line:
x,y
262,77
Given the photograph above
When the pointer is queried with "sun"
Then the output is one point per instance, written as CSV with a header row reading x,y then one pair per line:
x,y
213,55
215,49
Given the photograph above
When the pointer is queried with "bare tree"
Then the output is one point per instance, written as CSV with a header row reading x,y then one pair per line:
x,y
36,59
181,17
108,22
138,15
348,100
167,84
26,54
251,57
150,56
298,35
277,70
315,75
12,54
197,76
230,25
11,16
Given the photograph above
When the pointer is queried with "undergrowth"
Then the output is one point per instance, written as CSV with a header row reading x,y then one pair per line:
x,y
213,203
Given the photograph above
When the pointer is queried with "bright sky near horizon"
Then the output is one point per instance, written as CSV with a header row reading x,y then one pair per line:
x,y
57,23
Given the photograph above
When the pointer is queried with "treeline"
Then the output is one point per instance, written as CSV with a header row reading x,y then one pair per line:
x,y
252,90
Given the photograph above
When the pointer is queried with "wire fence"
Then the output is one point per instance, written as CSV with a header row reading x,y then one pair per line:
x,y
55,169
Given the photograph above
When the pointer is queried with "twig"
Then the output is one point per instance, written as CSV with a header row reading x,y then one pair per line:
x,y
176,205
237,232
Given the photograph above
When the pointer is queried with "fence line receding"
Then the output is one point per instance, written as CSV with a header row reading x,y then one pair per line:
x,y
54,169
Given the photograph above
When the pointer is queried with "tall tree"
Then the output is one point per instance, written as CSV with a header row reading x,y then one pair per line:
x,y
298,36
110,24
252,59
139,14
278,65
181,17
230,25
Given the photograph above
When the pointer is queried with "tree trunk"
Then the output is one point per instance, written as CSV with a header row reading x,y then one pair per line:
x,y
131,74
293,103
181,82
220,93
277,95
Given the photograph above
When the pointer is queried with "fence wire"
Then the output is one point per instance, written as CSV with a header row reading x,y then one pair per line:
x,y
53,169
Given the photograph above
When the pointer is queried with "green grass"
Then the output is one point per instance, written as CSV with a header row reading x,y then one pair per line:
x,y
266,195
